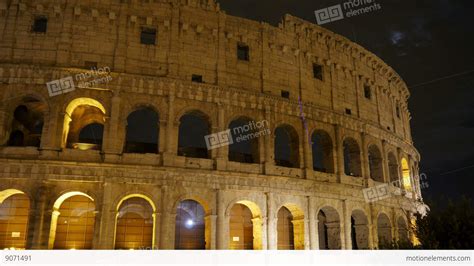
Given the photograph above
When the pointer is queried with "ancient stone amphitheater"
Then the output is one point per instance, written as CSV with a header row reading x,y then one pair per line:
x,y
168,124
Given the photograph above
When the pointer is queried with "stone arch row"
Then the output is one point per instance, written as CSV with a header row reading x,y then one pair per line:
x,y
74,220
83,128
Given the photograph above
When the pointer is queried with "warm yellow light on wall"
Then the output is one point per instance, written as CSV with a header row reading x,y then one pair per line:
x,y
406,176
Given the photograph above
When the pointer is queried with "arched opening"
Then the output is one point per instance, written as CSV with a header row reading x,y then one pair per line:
x,y
352,165
27,124
245,226
14,212
290,228
329,229
135,224
286,147
403,236
375,164
359,230
393,170
190,226
193,128
322,152
137,139
244,148
406,176
384,231
84,124
285,229
74,228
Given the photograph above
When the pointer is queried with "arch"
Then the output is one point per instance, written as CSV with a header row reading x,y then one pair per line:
x,y
393,169
359,230
290,227
406,175
191,229
135,223
375,163
138,140
72,221
245,225
286,147
80,113
352,165
384,231
14,217
329,228
194,126
27,122
403,236
322,148
244,150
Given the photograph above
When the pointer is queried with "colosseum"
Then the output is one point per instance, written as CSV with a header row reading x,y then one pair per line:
x,y
168,124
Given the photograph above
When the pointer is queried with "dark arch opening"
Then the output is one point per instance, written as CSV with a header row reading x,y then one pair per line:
x,y
393,170
193,128
243,150
28,118
352,165
322,152
142,133
286,147
90,137
375,164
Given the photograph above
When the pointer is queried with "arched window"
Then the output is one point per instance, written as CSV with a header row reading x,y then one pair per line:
x,y
27,124
285,229
190,226
286,147
83,124
375,164
352,165
75,223
193,128
322,152
384,231
359,230
329,229
406,176
135,224
142,135
403,237
14,212
244,148
393,170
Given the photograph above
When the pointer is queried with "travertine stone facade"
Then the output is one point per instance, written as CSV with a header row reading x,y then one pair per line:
x,y
197,38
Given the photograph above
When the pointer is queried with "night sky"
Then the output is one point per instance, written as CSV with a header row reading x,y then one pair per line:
x,y
430,43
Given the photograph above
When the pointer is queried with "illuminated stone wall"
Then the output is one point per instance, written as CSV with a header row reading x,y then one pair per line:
x,y
198,39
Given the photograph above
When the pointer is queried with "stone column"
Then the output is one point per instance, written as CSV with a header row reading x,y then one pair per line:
x,y
364,157
307,152
269,142
5,123
210,231
338,153
39,220
385,168
111,140
108,218
157,233
313,224
299,233
346,219
257,233
221,157
171,148
222,222
271,222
